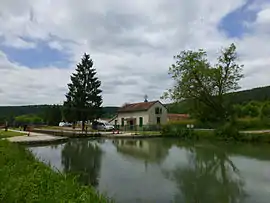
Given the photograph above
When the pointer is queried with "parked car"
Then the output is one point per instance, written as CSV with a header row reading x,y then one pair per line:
x,y
65,124
102,126
61,124
68,124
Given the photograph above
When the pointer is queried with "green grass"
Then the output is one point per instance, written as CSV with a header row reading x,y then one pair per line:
x,y
149,133
247,123
53,128
63,128
4,134
249,137
24,179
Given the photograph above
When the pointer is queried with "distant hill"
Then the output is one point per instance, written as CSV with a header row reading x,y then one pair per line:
x,y
259,94
8,112
12,111
256,94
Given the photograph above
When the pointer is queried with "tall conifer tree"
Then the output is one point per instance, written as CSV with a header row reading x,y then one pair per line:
x,y
84,100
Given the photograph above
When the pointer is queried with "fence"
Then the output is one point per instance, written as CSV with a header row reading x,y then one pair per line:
x,y
137,128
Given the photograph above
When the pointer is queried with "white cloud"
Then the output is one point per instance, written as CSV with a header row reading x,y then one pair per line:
x,y
55,45
18,43
131,43
264,17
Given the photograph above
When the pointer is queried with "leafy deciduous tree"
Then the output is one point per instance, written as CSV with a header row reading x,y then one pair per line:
x,y
205,85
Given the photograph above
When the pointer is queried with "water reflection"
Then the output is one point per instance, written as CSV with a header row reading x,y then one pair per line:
x,y
209,176
82,158
166,170
146,151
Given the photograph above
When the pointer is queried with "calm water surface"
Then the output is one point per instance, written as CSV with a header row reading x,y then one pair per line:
x,y
166,170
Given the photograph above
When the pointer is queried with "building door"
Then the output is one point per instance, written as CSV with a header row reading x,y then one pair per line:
x,y
141,121
131,124
158,120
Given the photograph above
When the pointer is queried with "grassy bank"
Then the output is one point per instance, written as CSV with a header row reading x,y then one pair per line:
x,y
24,179
225,133
4,134
247,123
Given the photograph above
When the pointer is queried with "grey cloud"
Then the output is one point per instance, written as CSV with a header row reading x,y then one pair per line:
x,y
135,95
134,43
32,86
111,86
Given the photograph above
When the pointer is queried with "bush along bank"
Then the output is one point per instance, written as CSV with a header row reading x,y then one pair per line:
x,y
24,179
241,123
227,132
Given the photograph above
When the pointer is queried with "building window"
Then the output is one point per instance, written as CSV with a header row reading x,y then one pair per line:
x,y
158,120
122,121
158,110
141,121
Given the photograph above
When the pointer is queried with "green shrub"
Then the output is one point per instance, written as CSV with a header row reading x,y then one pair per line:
x,y
175,129
265,111
228,132
253,123
24,179
251,110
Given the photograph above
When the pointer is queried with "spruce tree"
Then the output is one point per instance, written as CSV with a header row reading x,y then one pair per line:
x,y
84,100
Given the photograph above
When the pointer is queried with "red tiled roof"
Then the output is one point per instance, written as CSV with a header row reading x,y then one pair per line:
x,y
142,106
177,116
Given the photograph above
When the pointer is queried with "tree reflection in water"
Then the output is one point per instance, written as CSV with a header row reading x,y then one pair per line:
x,y
82,158
210,176
147,151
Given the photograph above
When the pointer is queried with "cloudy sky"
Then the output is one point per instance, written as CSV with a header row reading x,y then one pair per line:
x,y
132,44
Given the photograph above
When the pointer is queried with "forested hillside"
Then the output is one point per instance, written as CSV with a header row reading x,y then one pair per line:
x,y
259,94
45,112
242,97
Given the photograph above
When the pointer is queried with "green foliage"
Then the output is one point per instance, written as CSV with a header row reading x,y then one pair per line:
x,y
24,179
252,109
253,115
255,137
83,101
53,114
109,111
255,96
259,94
28,119
228,132
182,107
10,112
4,134
205,85
265,111
173,129
253,123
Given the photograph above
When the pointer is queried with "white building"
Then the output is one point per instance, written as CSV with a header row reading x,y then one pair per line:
x,y
140,114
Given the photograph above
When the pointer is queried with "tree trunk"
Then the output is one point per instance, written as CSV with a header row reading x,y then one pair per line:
x,y
6,126
83,125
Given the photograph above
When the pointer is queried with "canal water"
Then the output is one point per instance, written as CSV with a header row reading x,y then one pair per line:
x,y
165,170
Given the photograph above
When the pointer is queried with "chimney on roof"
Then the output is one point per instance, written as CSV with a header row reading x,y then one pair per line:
x,y
145,98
